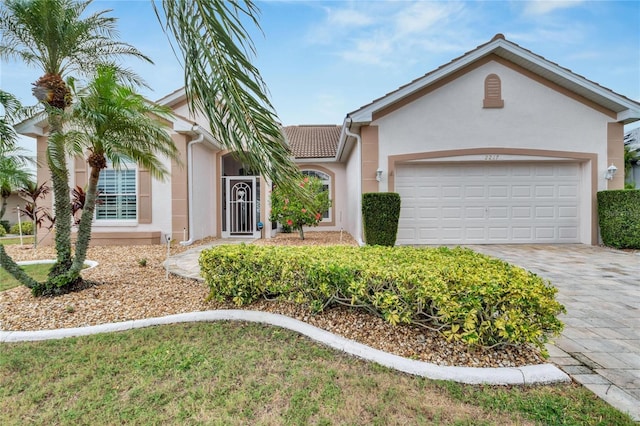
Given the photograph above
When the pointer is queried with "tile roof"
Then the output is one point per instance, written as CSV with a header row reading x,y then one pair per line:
x,y
313,141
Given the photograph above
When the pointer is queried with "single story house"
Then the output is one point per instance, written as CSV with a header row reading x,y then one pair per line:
x,y
11,213
500,145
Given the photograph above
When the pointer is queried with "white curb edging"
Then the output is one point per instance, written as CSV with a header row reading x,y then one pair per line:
x,y
90,263
531,374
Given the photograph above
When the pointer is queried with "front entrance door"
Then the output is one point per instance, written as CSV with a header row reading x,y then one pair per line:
x,y
242,206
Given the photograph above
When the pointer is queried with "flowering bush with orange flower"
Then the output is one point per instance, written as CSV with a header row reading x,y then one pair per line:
x,y
303,209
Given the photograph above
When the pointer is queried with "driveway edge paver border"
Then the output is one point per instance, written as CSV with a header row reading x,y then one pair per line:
x,y
527,375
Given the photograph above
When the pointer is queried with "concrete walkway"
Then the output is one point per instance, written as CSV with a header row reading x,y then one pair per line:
x,y
600,288
186,265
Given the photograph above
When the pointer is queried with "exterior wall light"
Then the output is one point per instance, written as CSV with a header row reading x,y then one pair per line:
x,y
611,172
379,175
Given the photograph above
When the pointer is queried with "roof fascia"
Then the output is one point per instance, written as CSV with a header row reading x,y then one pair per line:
x,y
32,126
315,160
365,114
629,116
344,144
173,97
342,140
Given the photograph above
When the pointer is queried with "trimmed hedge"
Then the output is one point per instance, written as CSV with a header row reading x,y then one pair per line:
x,y
2,231
465,295
27,228
619,218
380,213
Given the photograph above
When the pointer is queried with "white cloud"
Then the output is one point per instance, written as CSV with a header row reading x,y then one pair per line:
x,y
424,16
387,33
543,7
348,18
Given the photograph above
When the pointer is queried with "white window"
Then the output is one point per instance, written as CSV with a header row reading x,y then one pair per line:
x,y
117,194
326,185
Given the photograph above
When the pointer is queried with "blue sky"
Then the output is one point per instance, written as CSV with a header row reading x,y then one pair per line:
x,y
323,59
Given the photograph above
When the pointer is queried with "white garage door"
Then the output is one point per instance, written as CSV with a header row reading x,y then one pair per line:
x,y
469,203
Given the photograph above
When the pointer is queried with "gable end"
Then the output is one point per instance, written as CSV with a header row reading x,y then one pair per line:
x,y
489,58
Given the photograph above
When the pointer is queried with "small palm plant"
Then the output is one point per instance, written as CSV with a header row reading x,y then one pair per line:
x,y
115,125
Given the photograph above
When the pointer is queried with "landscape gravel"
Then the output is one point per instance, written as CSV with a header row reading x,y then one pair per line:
x,y
126,290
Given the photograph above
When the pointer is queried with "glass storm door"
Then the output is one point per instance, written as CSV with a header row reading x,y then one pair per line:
x,y
241,207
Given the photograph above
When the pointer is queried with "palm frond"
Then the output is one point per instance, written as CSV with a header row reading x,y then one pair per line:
x,y
54,36
221,81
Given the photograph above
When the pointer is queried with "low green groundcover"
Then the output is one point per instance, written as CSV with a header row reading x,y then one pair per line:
x,y
466,295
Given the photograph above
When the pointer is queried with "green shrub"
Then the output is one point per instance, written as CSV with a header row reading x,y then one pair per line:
x,y
295,211
27,228
380,212
619,218
4,224
466,295
2,231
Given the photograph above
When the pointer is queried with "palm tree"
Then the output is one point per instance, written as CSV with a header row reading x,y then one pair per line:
x,y
220,79
631,158
11,108
53,36
12,160
13,174
116,125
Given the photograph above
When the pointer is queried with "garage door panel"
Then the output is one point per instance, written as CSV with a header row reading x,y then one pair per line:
x,y
521,191
521,212
429,213
497,212
522,233
451,212
568,191
426,233
474,212
498,171
544,212
477,234
523,171
567,232
499,233
474,191
451,191
489,203
568,212
544,191
498,191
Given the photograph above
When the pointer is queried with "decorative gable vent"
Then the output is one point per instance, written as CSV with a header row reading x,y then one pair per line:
x,y
492,92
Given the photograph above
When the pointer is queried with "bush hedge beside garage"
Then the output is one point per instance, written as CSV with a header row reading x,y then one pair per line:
x,y
619,218
380,213
465,295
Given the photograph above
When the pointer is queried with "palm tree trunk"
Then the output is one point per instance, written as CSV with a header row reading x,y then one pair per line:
x,y
57,161
86,220
3,209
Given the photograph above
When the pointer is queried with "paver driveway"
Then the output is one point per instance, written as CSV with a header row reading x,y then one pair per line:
x,y
600,288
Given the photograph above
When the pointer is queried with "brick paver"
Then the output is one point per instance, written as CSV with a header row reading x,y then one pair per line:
x,y
600,287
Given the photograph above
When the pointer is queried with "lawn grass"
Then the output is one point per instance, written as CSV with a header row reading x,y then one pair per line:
x,y
237,373
26,240
38,271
